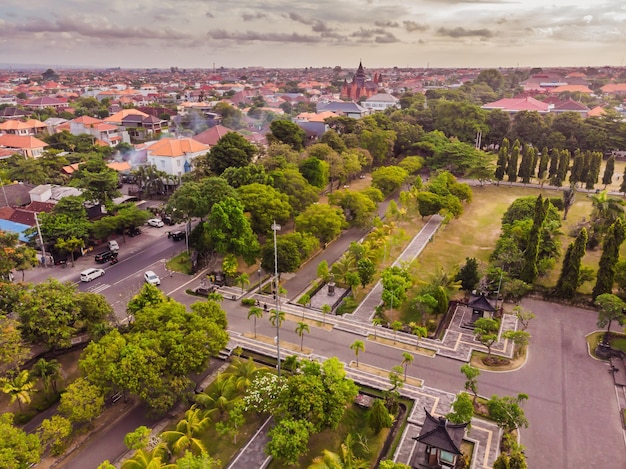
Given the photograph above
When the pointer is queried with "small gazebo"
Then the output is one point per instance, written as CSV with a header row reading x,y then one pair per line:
x,y
440,443
480,305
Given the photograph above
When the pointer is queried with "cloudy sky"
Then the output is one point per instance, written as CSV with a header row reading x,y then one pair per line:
x,y
300,33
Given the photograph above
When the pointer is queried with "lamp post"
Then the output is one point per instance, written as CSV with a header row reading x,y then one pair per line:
x,y
259,280
275,228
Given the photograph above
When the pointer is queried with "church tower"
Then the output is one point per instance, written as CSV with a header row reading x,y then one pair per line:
x,y
360,86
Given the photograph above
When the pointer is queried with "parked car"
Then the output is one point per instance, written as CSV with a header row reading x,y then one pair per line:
x,y
152,278
113,246
133,232
156,222
104,256
176,235
168,220
91,274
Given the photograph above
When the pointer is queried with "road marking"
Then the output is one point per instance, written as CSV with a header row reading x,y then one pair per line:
x,y
160,261
98,288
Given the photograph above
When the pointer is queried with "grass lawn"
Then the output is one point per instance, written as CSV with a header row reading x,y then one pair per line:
x,y
477,361
354,421
222,447
180,263
618,341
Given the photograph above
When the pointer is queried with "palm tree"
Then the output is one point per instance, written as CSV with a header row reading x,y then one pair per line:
x,y
48,371
407,359
301,328
419,331
345,459
215,296
325,310
255,312
242,280
19,388
568,200
377,321
357,346
276,317
219,395
396,326
243,373
606,209
187,430
146,459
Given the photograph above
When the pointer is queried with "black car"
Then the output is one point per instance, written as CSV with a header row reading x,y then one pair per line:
x,y
167,220
105,256
176,235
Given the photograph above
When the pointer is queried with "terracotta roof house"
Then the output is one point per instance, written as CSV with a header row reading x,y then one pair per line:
x,y
212,136
46,101
12,113
118,117
513,105
175,156
108,133
596,112
440,443
15,195
571,89
29,146
614,88
571,106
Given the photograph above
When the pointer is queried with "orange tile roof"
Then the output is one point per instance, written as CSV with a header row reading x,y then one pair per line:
x,y
87,120
572,89
176,147
596,112
21,141
118,116
614,88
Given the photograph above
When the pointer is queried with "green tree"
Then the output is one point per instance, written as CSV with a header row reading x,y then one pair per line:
x,y
503,160
358,208
345,459
145,459
569,280
525,171
232,150
389,464
379,143
99,182
610,308
507,411
285,131
325,310
389,179
17,448
219,396
610,256
55,432
288,440
301,328
513,162
471,384
48,372
468,274
243,279
276,317
232,424
322,221
13,350
357,347
366,269
407,359
462,409
19,387
70,245
81,401
229,230
138,438
187,432
378,416
323,271
265,205
520,340
530,270
255,312
315,171
486,332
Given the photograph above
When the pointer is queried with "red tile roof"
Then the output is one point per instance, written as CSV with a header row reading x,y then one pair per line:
x,y
518,104
21,141
176,147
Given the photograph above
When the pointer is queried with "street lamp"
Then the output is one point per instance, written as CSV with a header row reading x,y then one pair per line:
x,y
275,228
259,280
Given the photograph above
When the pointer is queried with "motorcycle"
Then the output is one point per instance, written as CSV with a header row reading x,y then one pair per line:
x,y
114,260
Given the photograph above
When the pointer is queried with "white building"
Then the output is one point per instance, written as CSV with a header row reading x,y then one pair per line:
x,y
380,102
175,156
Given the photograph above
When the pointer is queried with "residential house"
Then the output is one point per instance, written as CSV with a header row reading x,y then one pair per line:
x,y
341,108
513,105
44,102
313,123
570,106
12,113
614,88
27,145
106,134
175,156
380,102
139,125
211,136
16,127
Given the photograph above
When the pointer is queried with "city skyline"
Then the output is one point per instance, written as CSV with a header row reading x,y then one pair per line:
x,y
297,33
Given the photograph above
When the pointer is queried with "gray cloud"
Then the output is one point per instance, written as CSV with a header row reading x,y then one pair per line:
x,y
263,37
208,14
386,38
316,25
368,33
462,32
387,24
246,16
411,26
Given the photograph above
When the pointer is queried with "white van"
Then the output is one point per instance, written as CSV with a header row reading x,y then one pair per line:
x,y
91,274
113,246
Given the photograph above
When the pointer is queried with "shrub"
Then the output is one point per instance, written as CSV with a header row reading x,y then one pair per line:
x,y
248,301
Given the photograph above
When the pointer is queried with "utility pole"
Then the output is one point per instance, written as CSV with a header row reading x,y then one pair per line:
x,y
275,228
43,249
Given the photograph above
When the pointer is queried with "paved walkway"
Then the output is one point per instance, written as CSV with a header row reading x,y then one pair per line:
x,y
365,311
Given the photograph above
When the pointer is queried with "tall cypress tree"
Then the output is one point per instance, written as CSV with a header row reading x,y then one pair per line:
x,y
503,160
609,169
529,270
610,255
570,272
513,159
525,166
554,162
543,163
594,170
561,173
576,175
622,187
